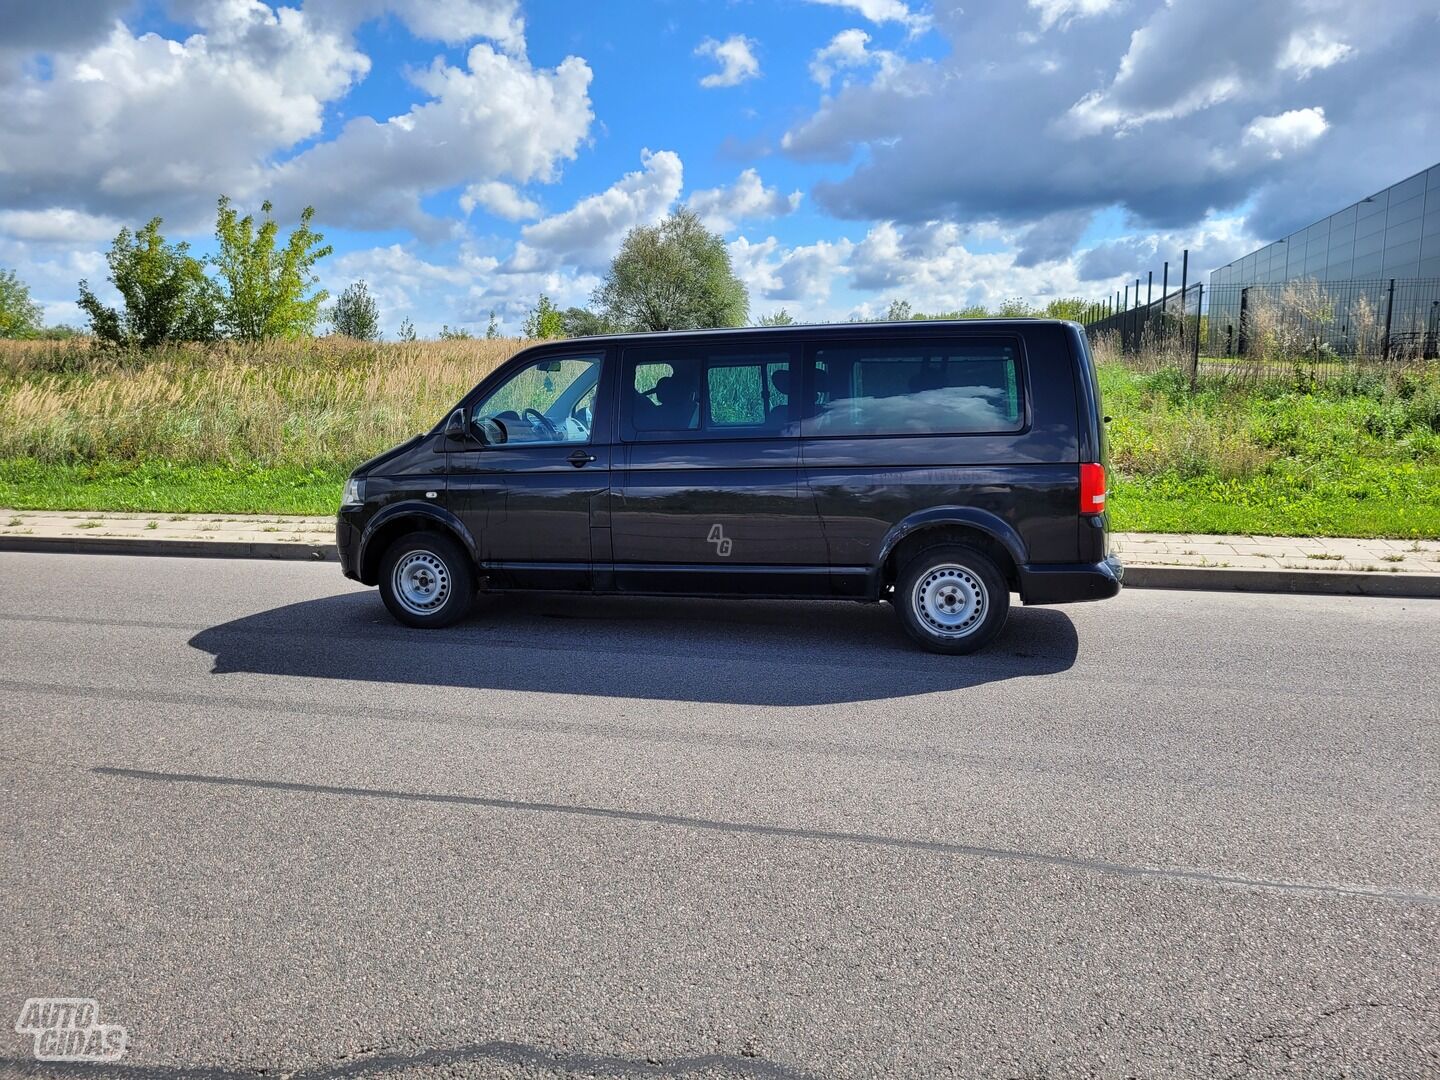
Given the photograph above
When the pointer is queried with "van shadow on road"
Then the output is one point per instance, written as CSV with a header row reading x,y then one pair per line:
x,y
724,651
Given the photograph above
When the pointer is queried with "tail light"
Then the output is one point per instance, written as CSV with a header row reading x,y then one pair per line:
x,y
1092,488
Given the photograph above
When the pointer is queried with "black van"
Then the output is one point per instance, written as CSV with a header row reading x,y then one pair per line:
x,y
938,465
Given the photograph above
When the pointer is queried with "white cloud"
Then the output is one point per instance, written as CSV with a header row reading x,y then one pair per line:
x,y
46,27
849,50
805,273
134,124
454,22
589,233
748,199
1278,136
500,199
1212,242
736,57
57,224
934,266
1098,111
495,117
405,285
1313,49
1062,11
1116,119
1268,40
884,11
460,292
139,124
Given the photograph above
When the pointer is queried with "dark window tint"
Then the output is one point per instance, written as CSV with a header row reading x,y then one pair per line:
x,y
702,393
746,394
920,388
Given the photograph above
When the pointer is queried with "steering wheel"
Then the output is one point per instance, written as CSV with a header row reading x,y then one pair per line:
x,y
542,422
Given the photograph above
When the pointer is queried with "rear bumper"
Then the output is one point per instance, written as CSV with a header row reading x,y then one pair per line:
x,y
1071,583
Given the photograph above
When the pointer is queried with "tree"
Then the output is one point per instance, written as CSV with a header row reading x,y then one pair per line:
x,y
355,314
582,322
1015,308
455,333
19,315
266,289
1067,307
899,311
165,291
545,320
492,328
777,318
673,276
406,331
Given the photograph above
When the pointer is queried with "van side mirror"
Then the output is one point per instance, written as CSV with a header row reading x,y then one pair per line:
x,y
458,428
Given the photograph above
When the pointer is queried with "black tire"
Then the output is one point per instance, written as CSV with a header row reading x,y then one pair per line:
x,y
968,600
428,560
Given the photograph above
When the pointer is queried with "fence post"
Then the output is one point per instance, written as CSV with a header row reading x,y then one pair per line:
x,y
1135,321
1389,311
1199,310
1244,341
1184,285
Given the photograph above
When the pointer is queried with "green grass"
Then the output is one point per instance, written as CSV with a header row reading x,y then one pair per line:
x,y
1262,506
158,487
1357,457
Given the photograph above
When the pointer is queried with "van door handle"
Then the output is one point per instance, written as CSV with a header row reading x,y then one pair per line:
x,y
580,458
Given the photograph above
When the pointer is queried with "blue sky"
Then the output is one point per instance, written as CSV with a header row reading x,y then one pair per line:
x,y
465,155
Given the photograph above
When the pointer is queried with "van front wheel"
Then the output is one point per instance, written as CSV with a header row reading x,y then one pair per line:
x,y
426,580
952,599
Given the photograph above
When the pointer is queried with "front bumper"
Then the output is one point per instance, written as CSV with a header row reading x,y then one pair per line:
x,y
1071,583
347,544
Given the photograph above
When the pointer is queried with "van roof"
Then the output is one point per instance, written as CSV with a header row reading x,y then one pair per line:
x,y
913,325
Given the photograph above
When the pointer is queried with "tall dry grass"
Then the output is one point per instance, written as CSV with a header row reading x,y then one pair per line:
x,y
327,402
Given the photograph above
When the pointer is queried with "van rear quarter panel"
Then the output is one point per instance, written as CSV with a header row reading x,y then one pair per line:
x,y
865,486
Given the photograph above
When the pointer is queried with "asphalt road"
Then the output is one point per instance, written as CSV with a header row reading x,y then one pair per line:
x,y
270,832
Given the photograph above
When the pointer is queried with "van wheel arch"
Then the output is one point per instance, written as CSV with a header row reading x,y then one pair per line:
x,y
947,533
393,530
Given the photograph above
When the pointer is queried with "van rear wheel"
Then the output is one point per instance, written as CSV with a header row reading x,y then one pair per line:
x,y
952,599
426,580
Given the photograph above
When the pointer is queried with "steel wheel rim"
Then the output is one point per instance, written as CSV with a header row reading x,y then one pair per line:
x,y
950,601
422,582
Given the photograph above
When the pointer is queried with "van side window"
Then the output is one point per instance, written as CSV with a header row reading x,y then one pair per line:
x,y
917,388
746,394
702,393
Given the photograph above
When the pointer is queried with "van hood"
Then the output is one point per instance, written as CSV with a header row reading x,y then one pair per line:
x,y
390,455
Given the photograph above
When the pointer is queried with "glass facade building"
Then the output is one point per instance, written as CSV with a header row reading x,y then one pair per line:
x,y
1371,274
1394,233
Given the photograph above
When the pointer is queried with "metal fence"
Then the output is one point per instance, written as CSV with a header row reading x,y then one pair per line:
x,y
1323,324
1168,323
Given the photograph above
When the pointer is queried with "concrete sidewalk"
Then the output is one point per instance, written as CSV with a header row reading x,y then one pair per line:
x,y
1152,560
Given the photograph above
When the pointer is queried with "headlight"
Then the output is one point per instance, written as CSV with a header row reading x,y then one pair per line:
x,y
354,494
